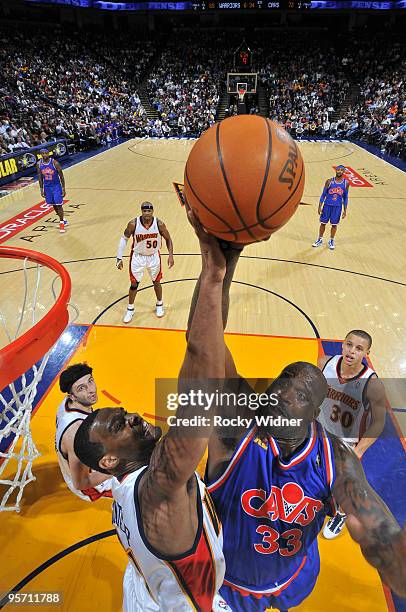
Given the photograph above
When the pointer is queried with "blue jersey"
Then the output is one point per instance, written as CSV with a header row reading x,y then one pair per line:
x,y
272,511
49,174
336,194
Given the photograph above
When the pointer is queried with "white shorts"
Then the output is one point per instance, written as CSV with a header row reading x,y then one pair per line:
x,y
136,597
138,263
135,593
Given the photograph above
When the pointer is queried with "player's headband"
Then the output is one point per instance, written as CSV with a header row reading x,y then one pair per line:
x,y
72,374
340,167
147,207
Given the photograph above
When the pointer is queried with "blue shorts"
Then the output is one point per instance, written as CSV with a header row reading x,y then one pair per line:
x,y
53,195
292,596
330,213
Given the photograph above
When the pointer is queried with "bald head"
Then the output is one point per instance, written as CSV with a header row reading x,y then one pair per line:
x,y
300,390
312,375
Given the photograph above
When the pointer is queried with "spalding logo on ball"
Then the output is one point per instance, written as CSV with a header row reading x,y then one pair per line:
x,y
244,178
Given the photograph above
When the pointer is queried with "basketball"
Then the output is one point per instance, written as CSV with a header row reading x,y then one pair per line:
x,y
244,178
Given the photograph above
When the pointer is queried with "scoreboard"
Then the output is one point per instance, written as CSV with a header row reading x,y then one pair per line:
x,y
225,5
220,5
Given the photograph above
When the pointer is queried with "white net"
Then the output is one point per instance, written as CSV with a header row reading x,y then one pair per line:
x,y
15,419
17,448
241,94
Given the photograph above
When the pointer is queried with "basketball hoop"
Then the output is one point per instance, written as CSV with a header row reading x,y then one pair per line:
x,y
241,93
22,363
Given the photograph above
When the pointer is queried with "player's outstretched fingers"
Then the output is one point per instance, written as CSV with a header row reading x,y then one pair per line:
x,y
198,227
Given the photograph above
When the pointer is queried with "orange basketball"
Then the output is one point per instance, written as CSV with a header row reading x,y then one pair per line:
x,y
244,178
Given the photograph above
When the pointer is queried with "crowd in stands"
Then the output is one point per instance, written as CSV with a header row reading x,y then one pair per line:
x,y
82,88
378,116
185,87
307,90
85,88
306,84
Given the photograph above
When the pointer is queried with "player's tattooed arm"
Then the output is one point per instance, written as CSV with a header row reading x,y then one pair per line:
x,y
370,522
163,230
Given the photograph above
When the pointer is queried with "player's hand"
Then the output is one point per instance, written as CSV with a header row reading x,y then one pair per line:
x,y
387,556
212,255
171,262
42,193
319,211
119,264
63,193
344,214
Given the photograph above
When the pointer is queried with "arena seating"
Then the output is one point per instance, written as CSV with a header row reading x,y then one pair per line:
x,y
85,89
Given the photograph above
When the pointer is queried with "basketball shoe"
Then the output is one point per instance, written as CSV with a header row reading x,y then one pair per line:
x,y
331,244
334,526
317,242
128,314
160,309
62,227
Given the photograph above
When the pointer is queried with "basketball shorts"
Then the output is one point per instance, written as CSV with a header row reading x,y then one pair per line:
x,y
289,597
135,593
138,263
53,195
330,213
136,597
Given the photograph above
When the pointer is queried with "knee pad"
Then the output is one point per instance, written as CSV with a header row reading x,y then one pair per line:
x,y
135,286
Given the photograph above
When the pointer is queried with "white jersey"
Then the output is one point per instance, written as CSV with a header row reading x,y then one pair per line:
x,y
146,241
168,584
345,411
64,419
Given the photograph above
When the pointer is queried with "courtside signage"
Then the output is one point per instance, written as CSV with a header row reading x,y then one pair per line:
x,y
13,226
355,179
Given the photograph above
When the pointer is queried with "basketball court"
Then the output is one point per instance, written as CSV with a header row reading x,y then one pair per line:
x,y
288,302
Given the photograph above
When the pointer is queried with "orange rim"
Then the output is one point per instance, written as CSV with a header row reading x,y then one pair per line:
x,y
18,356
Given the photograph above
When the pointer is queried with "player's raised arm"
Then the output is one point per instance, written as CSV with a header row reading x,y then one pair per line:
x,y
370,522
177,456
163,230
129,230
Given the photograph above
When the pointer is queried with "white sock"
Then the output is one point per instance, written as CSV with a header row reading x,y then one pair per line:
x,y
160,303
130,307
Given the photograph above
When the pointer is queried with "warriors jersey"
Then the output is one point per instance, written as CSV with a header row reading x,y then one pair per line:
x,y
345,411
49,174
146,241
64,419
167,584
272,511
